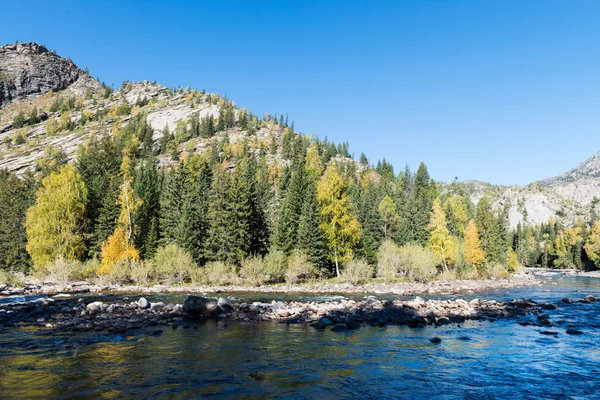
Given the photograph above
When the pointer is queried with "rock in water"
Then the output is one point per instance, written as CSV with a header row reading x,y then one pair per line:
x,y
225,304
143,303
572,331
435,340
201,305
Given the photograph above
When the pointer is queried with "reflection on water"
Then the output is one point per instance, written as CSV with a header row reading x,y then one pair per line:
x,y
233,359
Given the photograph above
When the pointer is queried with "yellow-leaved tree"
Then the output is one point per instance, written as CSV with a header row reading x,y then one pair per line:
x,y
474,254
119,247
592,245
54,225
340,228
440,240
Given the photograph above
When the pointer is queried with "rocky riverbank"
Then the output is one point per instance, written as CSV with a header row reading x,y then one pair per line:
x,y
77,315
399,289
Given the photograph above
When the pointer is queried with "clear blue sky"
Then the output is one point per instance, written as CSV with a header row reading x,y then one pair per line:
x,y
498,90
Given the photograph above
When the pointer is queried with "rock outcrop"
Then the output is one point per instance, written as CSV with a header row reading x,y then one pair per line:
x,y
29,70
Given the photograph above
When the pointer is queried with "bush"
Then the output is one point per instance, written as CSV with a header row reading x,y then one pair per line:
x,y
220,273
253,271
275,265
418,262
388,260
11,279
173,264
19,138
62,270
496,270
357,271
299,269
142,272
19,120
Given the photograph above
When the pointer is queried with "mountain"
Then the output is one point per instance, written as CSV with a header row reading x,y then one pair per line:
x,y
49,106
28,70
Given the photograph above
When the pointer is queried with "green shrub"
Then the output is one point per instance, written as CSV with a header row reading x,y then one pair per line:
x,y
19,138
418,262
62,270
496,270
142,272
220,273
357,271
11,279
275,265
253,271
173,264
388,260
299,269
19,120
119,274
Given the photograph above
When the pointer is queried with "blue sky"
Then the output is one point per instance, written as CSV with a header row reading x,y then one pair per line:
x,y
501,91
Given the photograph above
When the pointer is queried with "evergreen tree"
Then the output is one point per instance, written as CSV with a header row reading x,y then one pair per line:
x,y
489,232
229,214
147,186
286,228
310,238
421,205
370,222
256,180
16,196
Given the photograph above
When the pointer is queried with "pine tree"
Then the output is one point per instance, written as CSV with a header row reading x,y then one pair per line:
x,y
489,232
421,205
473,250
16,196
440,241
370,222
258,194
286,227
147,186
54,224
229,214
98,163
310,238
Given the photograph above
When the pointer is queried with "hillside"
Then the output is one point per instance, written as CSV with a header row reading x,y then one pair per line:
x,y
36,81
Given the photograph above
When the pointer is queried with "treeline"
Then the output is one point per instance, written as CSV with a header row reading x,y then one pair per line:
x,y
290,208
553,245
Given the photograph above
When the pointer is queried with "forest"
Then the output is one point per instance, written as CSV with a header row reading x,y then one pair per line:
x,y
255,210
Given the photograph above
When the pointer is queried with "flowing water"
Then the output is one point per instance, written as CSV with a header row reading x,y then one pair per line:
x,y
226,359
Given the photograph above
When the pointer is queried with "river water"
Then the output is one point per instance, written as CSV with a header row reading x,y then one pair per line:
x,y
226,359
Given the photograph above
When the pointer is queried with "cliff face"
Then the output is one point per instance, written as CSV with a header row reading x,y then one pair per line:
x,y
29,70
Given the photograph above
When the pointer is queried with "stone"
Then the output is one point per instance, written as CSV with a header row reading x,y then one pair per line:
x,y
435,340
339,328
573,331
94,307
590,298
225,304
201,305
549,333
143,303
157,306
326,321
567,300
352,325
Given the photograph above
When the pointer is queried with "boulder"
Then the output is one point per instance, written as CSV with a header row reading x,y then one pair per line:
x,y
143,303
94,307
573,331
435,340
201,305
590,298
157,306
225,304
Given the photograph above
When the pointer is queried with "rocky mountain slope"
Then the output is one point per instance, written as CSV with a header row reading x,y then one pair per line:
x,y
61,107
28,70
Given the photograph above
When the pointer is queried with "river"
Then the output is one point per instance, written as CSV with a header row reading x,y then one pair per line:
x,y
227,359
